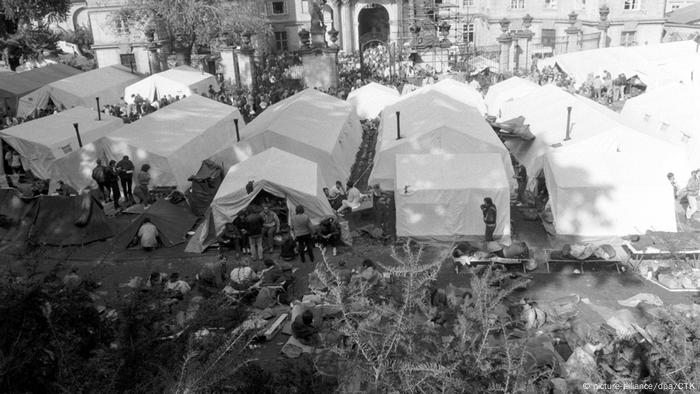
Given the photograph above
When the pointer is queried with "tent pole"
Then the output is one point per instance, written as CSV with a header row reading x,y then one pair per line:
x,y
99,115
568,124
238,136
398,125
77,133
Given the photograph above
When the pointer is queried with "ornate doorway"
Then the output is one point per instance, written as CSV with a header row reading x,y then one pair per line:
x,y
373,26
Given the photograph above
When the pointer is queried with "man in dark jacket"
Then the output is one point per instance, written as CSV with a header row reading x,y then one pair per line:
x,y
488,209
304,330
125,170
98,174
112,180
254,227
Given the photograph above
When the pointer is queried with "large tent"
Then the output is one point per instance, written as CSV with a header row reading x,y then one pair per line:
x,y
599,195
670,113
592,126
105,83
173,221
277,172
310,124
50,220
205,184
41,142
431,123
371,99
504,91
179,81
439,196
16,85
655,65
174,140
456,90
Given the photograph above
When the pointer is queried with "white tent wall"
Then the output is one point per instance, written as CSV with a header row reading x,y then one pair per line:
x,y
42,141
161,173
179,81
277,172
599,195
504,91
107,83
445,193
370,100
459,91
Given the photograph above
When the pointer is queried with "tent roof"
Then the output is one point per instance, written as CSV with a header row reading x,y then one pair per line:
x,y
172,220
458,91
507,90
425,111
311,117
88,83
374,88
450,171
276,166
55,128
686,15
371,99
172,127
19,84
185,75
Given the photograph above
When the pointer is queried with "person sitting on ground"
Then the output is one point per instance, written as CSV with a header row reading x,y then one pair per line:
x,y
273,274
353,201
65,190
176,286
344,273
304,331
329,233
148,235
288,249
156,279
336,194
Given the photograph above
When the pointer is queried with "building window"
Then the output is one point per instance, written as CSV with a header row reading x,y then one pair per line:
x,y
468,3
632,4
551,4
277,8
468,35
517,3
281,41
305,7
629,38
127,60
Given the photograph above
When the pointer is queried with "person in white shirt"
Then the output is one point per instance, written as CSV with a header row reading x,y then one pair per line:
x,y
177,286
148,235
336,191
353,200
243,277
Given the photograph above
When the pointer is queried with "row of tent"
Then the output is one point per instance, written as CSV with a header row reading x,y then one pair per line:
x,y
67,87
655,65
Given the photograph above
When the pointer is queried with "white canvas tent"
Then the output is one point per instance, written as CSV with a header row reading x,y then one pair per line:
x,y
504,91
41,142
174,140
671,113
432,123
371,99
277,172
601,195
107,83
655,65
439,196
310,124
179,81
456,90
593,127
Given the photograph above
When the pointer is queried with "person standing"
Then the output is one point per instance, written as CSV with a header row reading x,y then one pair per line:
x,y
98,174
488,209
125,170
112,180
692,191
254,227
301,231
143,178
271,226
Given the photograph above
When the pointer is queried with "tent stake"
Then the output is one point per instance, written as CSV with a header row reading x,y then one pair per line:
x,y
77,133
398,125
238,136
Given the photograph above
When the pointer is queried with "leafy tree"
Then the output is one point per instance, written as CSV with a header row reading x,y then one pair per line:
x,y
191,23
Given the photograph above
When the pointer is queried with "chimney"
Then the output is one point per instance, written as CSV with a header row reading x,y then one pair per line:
x,y
568,124
99,113
238,136
398,125
77,133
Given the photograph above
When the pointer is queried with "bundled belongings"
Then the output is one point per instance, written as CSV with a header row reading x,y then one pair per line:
x,y
513,128
580,253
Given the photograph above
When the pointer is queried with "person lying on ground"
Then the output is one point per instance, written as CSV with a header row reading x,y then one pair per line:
x,y
303,329
65,190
